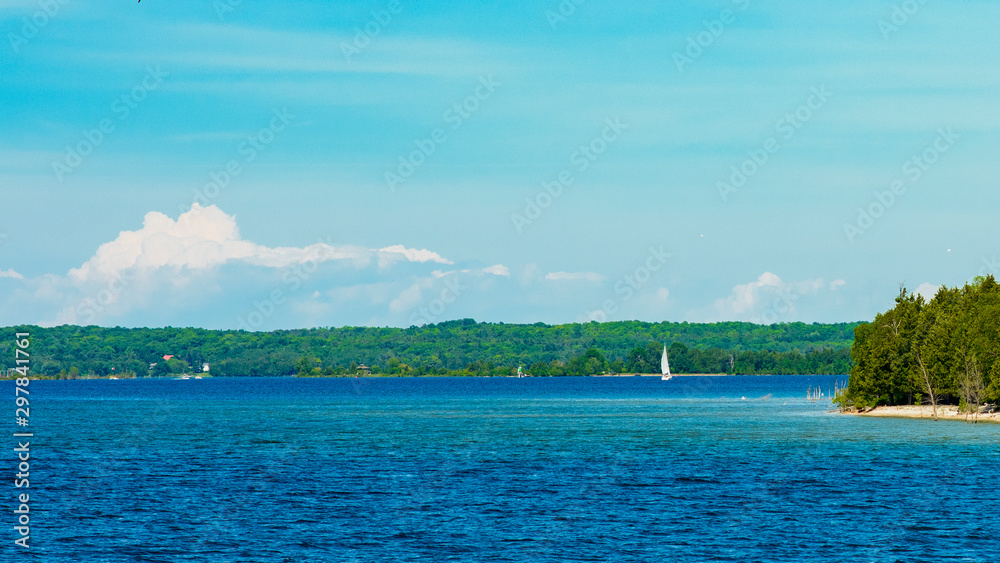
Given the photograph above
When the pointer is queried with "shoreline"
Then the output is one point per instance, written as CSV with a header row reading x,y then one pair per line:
x,y
659,375
946,412
388,376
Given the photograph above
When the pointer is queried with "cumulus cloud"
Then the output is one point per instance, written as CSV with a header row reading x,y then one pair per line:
x,y
206,237
927,290
414,255
498,270
768,299
835,284
200,263
11,274
746,297
593,277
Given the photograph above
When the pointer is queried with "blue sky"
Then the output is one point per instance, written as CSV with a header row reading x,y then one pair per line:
x,y
302,164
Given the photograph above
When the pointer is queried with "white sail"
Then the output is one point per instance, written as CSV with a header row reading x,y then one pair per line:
x,y
665,364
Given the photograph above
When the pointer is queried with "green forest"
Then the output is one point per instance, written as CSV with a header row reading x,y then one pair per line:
x,y
946,351
461,347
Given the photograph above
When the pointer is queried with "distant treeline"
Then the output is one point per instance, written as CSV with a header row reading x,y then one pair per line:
x,y
461,347
946,351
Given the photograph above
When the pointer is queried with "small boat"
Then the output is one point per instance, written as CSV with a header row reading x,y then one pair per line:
x,y
665,366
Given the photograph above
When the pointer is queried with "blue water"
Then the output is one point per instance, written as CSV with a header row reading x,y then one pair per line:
x,y
564,469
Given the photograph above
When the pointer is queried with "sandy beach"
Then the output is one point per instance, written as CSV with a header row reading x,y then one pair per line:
x,y
947,412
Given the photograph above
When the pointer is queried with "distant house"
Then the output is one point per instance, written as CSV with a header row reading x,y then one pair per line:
x,y
204,367
167,357
364,369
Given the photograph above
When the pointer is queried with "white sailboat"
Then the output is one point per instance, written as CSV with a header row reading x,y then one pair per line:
x,y
665,365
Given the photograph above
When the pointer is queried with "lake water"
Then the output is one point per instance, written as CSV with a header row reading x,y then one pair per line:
x,y
562,469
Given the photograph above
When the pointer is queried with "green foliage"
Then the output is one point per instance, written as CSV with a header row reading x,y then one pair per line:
x,y
161,369
460,347
943,351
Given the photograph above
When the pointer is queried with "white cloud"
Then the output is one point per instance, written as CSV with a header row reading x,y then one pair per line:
x,y
206,237
188,267
410,297
498,270
835,284
575,276
927,290
745,298
414,255
769,299
11,274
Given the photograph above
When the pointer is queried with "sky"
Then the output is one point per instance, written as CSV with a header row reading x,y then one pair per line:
x,y
229,164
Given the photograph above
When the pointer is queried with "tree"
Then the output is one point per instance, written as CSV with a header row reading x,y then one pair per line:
x,y
972,387
161,369
592,362
639,361
679,360
928,381
946,349
442,349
